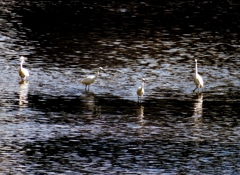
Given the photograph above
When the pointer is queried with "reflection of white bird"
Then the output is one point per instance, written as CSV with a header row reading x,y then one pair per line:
x,y
198,110
140,112
22,71
23,94
91,79
141,122
198,105
197,78
140,90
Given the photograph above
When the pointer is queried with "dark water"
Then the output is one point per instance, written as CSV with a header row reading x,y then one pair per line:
x,y
51,125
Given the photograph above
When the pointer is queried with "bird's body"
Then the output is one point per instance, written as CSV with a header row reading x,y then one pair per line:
x,y
197,78
140,90
23,72
91,79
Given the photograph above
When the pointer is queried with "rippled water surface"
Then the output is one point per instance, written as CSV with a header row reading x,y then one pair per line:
x,y
51,125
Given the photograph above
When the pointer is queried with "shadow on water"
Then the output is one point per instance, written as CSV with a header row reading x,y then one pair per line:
x,y
106,104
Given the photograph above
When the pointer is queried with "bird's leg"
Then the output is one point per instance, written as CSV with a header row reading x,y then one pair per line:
x,y
195,89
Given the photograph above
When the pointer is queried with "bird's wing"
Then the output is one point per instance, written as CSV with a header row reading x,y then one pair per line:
x,y
88,80
23,72
26,72
198,80
140,91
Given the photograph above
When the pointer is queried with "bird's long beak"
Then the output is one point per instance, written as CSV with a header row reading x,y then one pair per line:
x,y
104,71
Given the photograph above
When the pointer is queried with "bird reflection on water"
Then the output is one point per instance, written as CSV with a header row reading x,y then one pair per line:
x,y
197,129
23,93
140,113
89,104
197,114
140,123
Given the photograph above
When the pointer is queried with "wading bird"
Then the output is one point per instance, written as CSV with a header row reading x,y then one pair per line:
x,y
140,91
197,78
91,79
23,72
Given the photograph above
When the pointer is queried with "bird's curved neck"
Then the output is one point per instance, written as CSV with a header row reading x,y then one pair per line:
x,y
97,74
21,64
142,85
196,69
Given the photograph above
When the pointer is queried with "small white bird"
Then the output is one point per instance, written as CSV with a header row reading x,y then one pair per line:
x,y
91,79
23,72
197,78
140,91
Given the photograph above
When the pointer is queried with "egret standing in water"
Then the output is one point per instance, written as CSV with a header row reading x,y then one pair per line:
x,y
91,79
197,78
140,91
23,72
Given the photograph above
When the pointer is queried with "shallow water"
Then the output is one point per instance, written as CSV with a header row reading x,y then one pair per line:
x,y
51,125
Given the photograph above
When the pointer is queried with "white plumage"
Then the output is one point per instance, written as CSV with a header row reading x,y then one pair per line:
x,y
140,90
197,78
91,79
23,72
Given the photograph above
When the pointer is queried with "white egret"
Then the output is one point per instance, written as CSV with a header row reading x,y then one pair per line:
x,y
91,79
197,78
23,72
140,90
